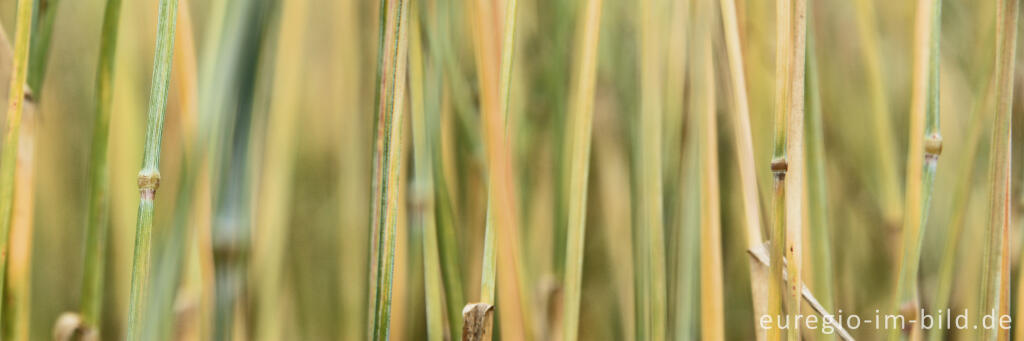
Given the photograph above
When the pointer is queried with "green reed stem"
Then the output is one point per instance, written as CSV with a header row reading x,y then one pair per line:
x,y
149,176
386,178
922,157
99,172
423,191
817,196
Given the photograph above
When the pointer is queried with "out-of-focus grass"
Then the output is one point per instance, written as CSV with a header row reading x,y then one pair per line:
x,y
646,84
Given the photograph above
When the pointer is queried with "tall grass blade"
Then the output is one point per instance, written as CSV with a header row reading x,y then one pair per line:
x,y
712,298
501,211
391,80
759,278
43,18
652,289
99,173
817,196
275,191
581,111
881,121
787,161
995,266
422,195
922,158
149,176
15,101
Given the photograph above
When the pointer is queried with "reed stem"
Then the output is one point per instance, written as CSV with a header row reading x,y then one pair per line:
x,y
711,274
995,266
99,173
745,159
423,190
390,108
581,116
922,157
149,176
817,196
651,319
501,211
15,101
275,192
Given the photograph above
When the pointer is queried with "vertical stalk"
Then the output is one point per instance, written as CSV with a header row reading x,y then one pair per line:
x,y
652,290
821,239
43,18
445,219
149,176
388,143
888,176
501,211
99,173
745,159
19,287
994,284
922,157
787,161
711,277
278,165
8,156
422,195
581,117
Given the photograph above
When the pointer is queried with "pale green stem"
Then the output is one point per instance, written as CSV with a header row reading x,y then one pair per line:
x,y
99,172
149,176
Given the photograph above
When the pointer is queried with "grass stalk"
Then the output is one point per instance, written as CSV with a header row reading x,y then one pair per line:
x,y
501,211
390,106
787,162
97,226
651,319
278,160
581,116
958,212
887,170
712,300
745,159
445,214
423,189
922,158
43,18
20,270
149,175
995,266
817,197
8,156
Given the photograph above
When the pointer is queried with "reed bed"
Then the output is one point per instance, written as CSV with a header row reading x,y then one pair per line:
x,y
515,170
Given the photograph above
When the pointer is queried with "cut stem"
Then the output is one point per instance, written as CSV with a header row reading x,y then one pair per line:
x,y
149,176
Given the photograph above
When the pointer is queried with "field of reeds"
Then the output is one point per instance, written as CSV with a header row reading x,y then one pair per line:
x,y
511,169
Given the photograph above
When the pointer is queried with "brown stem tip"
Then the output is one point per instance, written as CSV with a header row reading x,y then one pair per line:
x,y
477,319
